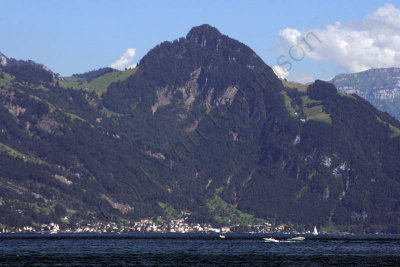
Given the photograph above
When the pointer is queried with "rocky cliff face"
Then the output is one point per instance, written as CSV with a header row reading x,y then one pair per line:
x,y
381,87
3,60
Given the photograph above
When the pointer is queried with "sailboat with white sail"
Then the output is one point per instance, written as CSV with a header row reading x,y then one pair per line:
x,y
315,232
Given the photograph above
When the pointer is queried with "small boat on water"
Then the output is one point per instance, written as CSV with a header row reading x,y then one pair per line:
x,y
222,236
298,238
270,239
315,232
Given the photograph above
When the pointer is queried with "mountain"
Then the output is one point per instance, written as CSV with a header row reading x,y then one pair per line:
x,y
3,60
201,125
381,87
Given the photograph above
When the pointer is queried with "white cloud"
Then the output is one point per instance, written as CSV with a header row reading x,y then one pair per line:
x,y
280,71
372,42
126,60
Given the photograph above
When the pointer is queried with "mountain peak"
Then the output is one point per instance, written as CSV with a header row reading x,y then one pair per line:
x,y
203,34
3,59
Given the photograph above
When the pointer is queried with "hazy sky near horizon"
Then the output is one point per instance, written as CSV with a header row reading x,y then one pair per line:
x,y
74,36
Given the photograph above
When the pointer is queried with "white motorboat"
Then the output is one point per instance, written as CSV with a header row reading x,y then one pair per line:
x,y
270,239
298,238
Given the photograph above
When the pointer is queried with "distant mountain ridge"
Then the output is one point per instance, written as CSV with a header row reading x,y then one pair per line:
x,y
381,87
201,125
26,69
11,62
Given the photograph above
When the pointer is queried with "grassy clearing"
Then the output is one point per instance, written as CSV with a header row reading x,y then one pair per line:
x,y
32,86
73,116
12,152
110,113
6,79
101,83
227,214
41,209
169,212
288,104
395,131
54,108
298,86
307,101
41,87
16,154
125,74
67,221
313,111
317,113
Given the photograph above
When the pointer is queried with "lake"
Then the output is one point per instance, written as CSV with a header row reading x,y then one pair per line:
x,y
197,249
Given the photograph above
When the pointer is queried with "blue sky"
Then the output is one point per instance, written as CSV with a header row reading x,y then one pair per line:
x,y
77,36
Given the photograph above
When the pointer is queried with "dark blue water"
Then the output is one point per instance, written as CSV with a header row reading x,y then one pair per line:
x,y
197,249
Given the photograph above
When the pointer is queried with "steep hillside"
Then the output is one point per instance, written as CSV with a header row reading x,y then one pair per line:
x,y
202,124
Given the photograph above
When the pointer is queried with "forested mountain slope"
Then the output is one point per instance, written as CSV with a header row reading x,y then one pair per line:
x,y
200,124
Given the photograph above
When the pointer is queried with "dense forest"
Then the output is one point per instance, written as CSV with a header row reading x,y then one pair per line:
x,y
201,123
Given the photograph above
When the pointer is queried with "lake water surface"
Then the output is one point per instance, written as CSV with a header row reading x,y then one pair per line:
x,y
197,249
